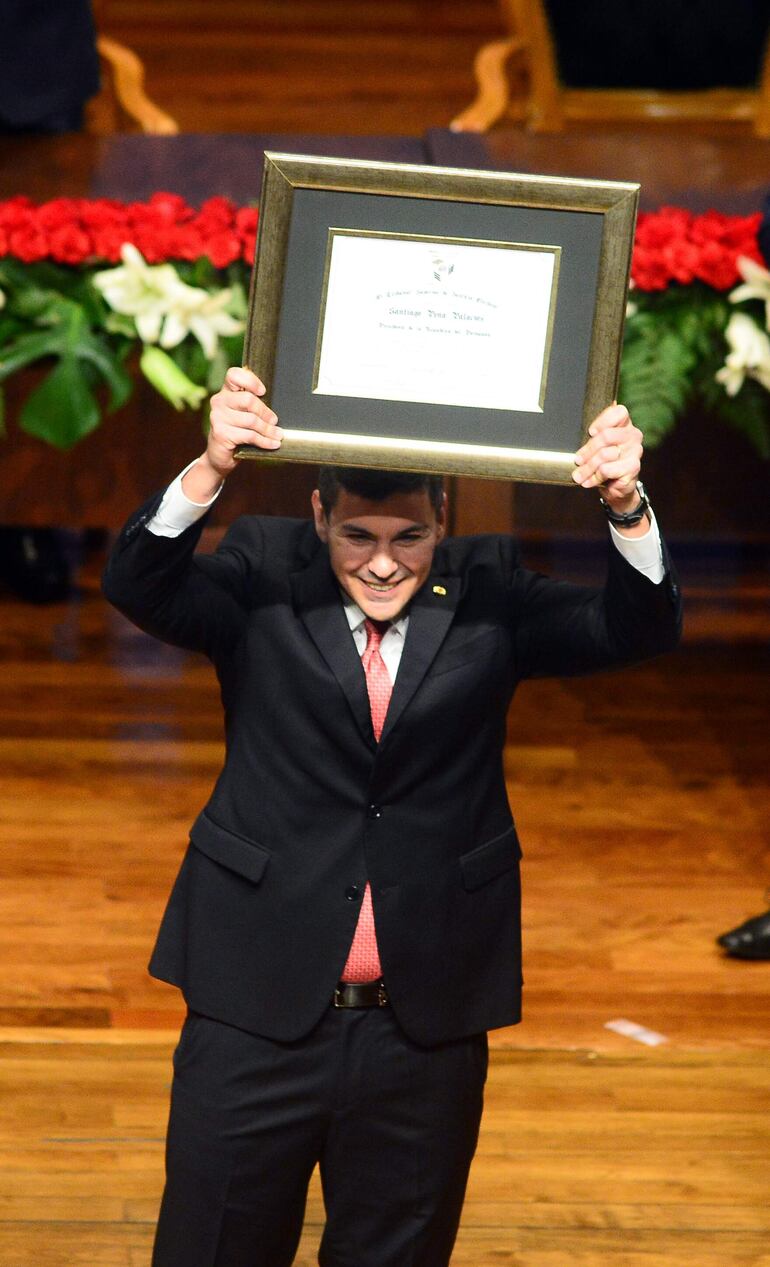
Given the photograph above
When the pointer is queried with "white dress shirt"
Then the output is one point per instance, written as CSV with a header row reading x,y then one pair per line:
x,y
393,639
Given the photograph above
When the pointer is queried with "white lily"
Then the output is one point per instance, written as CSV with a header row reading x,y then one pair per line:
x,y
140,290
749,354
164,308
756,285
2,298
203,315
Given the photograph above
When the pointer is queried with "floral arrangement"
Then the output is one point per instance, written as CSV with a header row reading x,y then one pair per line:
x,y
692,332
85,284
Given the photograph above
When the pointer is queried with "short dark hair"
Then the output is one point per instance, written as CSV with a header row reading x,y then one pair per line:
x,y
376,486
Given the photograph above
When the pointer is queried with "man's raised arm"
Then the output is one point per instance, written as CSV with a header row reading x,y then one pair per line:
x,y
238,416
152,575
565,629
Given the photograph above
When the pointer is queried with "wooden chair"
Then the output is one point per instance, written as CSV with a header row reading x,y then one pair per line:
x,y
122,104
518,80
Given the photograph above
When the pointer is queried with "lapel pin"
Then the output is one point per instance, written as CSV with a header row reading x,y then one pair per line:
x,y
439,589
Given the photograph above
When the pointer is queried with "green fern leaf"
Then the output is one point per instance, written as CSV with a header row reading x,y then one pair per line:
x,y
656,373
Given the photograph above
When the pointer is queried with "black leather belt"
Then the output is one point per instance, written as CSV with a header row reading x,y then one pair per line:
x,y
360,994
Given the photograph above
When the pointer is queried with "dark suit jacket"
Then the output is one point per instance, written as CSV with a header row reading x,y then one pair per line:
x,y
309,806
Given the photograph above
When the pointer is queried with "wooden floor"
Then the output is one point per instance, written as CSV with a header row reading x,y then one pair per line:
x,y
584,1159
595,1150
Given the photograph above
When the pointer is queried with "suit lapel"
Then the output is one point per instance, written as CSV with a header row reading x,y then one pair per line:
x,y
430,616
318,603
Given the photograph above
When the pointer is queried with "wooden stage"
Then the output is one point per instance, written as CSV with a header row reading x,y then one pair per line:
x,y
642,798
642,801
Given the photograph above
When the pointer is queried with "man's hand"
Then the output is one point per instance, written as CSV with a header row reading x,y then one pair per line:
x,y
238,416
610,460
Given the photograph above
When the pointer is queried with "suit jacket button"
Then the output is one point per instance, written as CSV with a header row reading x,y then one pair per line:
x,y
374,811
352,893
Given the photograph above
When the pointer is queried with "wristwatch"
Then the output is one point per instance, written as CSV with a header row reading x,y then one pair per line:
x,y
631,517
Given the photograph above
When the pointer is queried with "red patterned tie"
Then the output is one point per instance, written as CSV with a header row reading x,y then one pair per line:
x,y
364,961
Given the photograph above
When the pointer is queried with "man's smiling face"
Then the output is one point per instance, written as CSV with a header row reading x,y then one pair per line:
x,y
381,552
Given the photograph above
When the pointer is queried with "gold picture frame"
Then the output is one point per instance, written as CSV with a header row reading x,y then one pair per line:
x,y
309,205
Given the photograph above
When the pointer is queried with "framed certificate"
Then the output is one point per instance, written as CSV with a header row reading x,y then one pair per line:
x,y
437,319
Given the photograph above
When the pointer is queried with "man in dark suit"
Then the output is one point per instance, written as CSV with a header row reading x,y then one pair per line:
x,y
345,925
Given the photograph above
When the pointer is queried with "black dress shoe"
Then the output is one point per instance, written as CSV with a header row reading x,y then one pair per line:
x,y
34,565
750,940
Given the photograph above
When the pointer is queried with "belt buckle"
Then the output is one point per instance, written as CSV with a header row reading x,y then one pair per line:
x,y
338,998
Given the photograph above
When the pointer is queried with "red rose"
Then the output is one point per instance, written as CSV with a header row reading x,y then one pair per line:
x,y
28,243
709,227
141,213
216,214
107,242
716,266
69,244
185,242
160,235
246,221
740,231
663,227
649,269
58,213
223,248
16,212
170,208
107,224
249,247
681,261
3,241
148,232
153,242
103,213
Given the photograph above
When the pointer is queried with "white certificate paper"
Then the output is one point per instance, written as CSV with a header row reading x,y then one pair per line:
x,y
440,322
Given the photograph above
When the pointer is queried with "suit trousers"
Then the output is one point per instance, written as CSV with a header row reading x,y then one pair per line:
x,y
392,1125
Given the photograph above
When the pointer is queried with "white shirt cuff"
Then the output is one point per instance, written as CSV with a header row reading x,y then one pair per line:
x,y
643,553
176,512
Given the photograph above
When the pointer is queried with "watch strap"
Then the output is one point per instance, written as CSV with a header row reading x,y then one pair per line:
x,y
631,517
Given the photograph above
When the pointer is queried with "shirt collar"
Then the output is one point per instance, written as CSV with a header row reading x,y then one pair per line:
x,y
355,617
